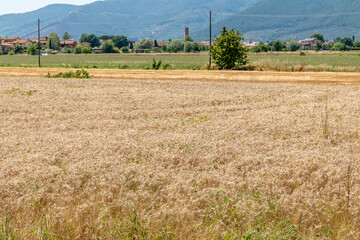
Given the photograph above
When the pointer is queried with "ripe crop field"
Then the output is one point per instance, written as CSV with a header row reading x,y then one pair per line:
x,y
275,62
120,158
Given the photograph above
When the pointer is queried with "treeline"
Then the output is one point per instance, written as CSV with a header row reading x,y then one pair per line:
x,y
338,44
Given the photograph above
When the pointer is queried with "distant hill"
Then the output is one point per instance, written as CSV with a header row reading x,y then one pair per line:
x,y
294,19
158,19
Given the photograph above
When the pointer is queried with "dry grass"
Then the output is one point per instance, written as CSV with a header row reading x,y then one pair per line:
x,y
326,78
151,159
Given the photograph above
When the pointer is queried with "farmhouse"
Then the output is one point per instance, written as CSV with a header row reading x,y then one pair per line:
x,y
6,47
9,43
68,44
309,42
85,44
43,40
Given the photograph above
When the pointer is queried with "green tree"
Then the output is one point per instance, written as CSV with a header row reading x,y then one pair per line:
x,y
293,46
156,43
164,48
196,47
143,44
188,38
86,49
188,47
338,39
318,46
176,45
277,46
66,36
108,47
318,36
131,45
356,44
18,49
53,41
261,47
347,41
339,46
125,49
92,39
228,51
106,37
120,41
78,49
32,49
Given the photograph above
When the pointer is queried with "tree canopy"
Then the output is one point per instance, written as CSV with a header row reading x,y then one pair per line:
x,y
120,41
188,38
108,47
66,36
92,39
143,44
176,45
228,51
318,36
53,41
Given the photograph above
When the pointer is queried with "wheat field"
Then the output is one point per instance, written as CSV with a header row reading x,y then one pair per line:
x,y
173,159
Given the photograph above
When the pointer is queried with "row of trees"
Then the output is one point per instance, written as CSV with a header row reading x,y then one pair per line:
x,y
338,44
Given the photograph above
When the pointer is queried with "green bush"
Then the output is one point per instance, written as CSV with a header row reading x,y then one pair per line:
x,y
108,47
156,65
188,47
78,49
116,50
19,49
78,74
86,49
32,49
125,50
11,53
176,45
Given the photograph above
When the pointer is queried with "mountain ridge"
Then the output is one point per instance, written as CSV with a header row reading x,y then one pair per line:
x,y
293,19
157,19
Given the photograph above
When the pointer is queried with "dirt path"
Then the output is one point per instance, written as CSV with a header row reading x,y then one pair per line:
x,y
324,78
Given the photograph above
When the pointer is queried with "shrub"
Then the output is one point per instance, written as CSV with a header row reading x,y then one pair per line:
x,y
11,53
143,44
116,50
32,49
196,47
19,49
86,49
188,47
78,49
125,50
108,47
176,45
156,65
78,74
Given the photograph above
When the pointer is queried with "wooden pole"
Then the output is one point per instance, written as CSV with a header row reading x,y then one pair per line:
x,y
39,44
210,43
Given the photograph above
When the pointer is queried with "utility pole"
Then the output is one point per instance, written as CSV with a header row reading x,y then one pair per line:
x,y
210,43
39,44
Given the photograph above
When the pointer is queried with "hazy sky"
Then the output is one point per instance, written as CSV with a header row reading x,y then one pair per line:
x,y
19,6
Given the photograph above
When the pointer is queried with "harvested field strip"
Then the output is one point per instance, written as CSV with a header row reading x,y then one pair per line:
x,y
234,76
